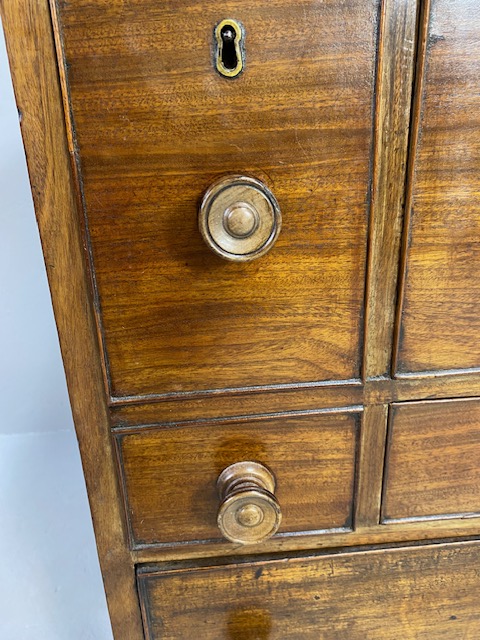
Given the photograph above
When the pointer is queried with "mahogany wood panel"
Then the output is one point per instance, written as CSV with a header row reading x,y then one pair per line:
x,y
170,474
422,593
442,384
243,403
149,125
441,319
154,125
30,43
212,405
432,465
389,533
370,467
396,63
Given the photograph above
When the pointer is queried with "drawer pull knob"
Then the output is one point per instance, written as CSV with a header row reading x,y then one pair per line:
x,y
239,218
249,511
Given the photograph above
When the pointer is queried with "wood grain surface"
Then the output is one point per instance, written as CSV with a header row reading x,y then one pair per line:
x,y
375,536
205,363
432,466
29,37
441,319
396,64
424,593
154,125
370,467
241,403
377,391
170,474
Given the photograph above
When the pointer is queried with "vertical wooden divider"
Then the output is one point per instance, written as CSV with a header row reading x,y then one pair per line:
x,y
395,77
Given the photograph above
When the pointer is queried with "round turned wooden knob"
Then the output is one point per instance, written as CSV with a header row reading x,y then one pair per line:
x,y
249,511
239,218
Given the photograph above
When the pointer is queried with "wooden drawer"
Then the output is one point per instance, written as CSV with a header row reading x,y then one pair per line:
x,y
441,319
432,467
170,474
155,125
428,593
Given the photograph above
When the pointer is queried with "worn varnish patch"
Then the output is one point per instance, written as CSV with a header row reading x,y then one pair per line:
x,y
418,593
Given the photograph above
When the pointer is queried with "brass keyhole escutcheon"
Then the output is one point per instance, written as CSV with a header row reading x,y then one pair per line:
x,y
229,57
239,218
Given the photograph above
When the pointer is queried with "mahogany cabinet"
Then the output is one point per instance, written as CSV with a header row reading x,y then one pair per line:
x,y
261,227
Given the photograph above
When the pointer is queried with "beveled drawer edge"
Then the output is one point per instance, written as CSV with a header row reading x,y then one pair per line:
x,y
153,568
233,391
472,372
219,543
427,377
375,391
431,518
387,535
168,411
120,430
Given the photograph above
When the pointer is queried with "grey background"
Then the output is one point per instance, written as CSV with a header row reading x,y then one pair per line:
x,y
50,582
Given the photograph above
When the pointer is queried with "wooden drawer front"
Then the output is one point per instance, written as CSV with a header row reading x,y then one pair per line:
x,y
170,474
424,593
155,125
432,465
441,319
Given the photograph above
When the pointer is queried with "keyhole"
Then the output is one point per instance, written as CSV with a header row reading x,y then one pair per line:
x,y
229,48
229,55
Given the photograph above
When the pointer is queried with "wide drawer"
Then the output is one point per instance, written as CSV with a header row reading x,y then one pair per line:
x,y
432,467
170,473
156,125
428,593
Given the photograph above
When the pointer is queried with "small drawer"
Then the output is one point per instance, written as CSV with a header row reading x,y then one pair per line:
x,y
170,474
426,592
432,468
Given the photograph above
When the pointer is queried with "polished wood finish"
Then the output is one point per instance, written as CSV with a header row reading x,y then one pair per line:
x,y
427,592
391,533
440,321
28,31
241,403
249,511
393,102
423,387
292,360
372,443
432,467
239,218
155,124
170,474
274,400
